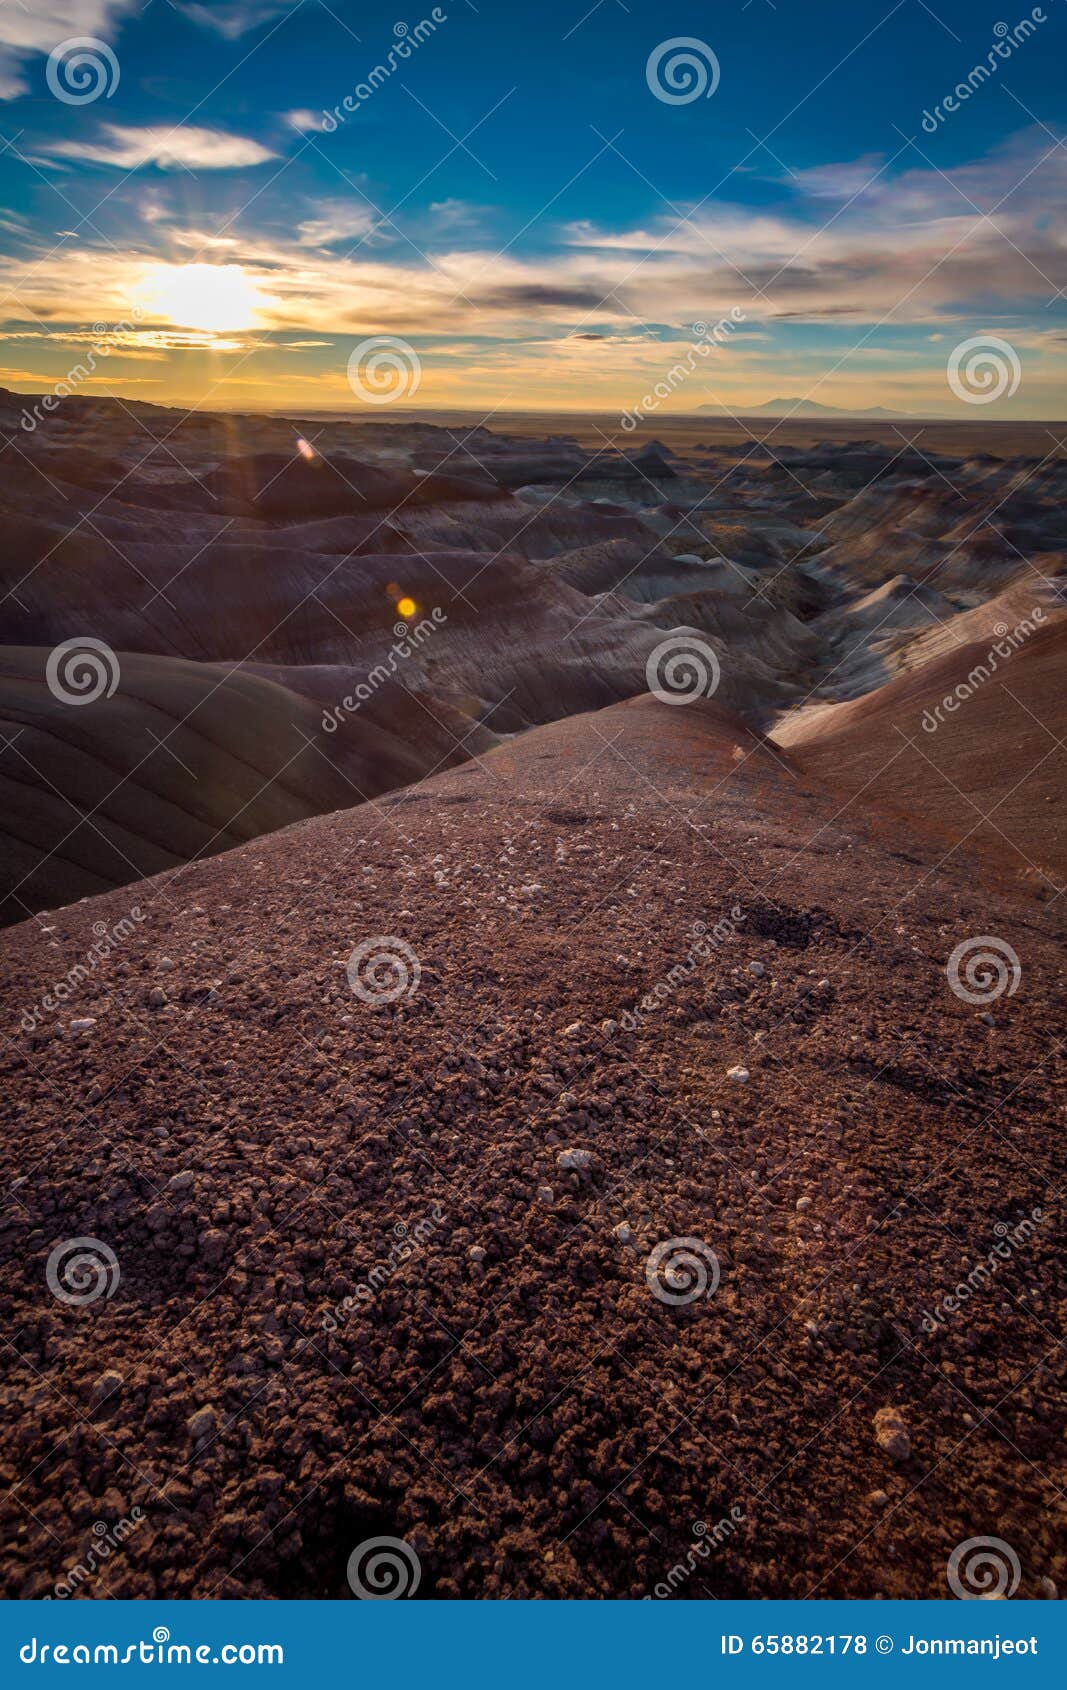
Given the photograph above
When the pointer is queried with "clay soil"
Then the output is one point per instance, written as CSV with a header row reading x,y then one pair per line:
x,y
254,1142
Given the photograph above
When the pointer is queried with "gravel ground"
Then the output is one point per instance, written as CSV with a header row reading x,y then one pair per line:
x,y
484,1150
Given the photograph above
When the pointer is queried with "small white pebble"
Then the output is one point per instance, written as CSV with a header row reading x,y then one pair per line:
x,y
576,1161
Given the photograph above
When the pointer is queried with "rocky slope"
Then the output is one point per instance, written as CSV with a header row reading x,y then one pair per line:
x,y
490,1251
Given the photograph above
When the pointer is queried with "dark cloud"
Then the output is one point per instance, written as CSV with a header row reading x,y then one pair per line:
x,y
525,296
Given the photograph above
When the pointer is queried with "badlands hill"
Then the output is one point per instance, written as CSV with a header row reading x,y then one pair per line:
x,y
968,747
248,574
187,758
384,1245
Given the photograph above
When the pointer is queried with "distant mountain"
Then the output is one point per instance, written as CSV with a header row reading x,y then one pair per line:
x,y
805,408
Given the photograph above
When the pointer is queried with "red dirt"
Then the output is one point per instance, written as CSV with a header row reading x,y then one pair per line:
x,y
538,1423
988,770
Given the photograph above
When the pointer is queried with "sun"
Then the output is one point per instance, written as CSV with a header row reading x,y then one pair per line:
x,y
209,297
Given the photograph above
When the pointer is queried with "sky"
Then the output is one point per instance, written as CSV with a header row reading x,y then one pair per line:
x,y
510,205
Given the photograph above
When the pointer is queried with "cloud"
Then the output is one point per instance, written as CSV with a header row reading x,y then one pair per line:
x,y
837,181
168,148
538,295
820,294
37,27
905,248
233,18
457,214
304,121
336,220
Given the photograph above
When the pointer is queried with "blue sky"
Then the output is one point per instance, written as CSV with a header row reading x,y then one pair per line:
x,y
514,199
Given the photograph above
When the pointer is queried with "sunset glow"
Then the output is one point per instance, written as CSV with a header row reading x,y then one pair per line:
x,y
211,297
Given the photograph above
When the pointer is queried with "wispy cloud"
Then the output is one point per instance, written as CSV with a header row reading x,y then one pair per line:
x,y
233,18
184,146
303,120
336,220
457,214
